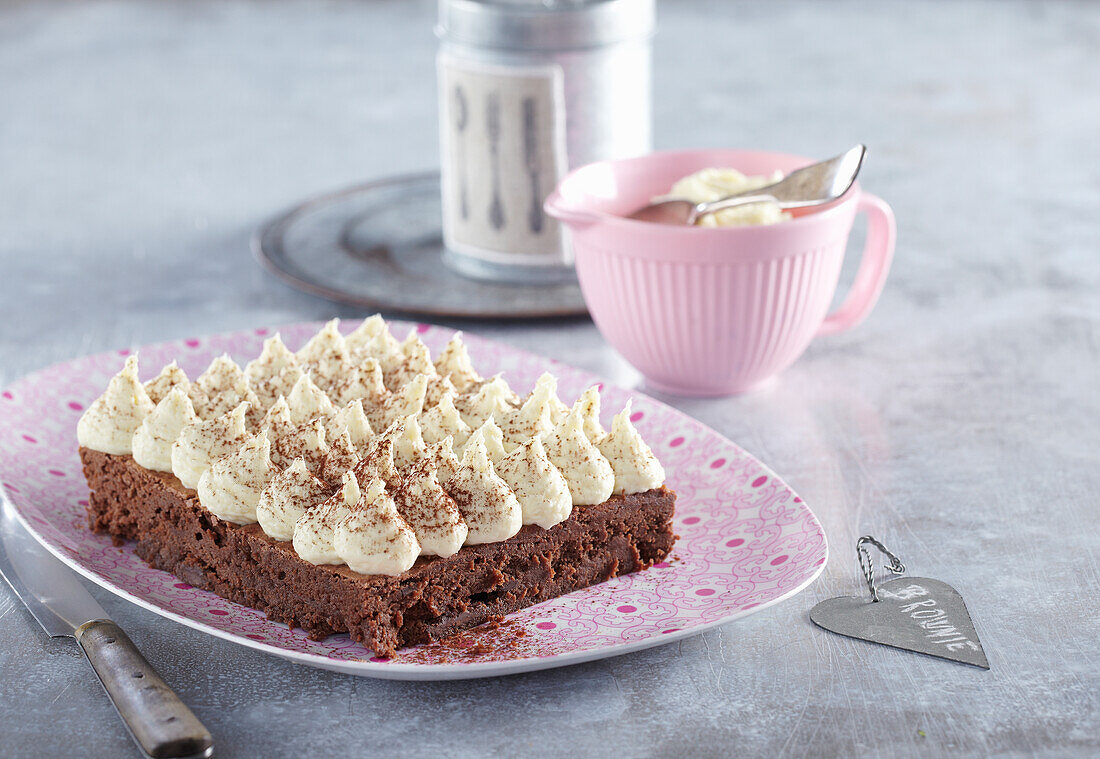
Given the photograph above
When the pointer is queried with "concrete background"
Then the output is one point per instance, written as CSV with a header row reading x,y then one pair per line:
x,y
141,142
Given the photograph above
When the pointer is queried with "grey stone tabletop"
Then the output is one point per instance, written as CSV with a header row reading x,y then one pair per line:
x,y
142,142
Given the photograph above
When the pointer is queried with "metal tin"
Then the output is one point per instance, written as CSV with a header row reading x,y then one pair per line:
x,y
527,91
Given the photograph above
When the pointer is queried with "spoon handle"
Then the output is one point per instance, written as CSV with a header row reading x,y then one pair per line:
x,y
702,209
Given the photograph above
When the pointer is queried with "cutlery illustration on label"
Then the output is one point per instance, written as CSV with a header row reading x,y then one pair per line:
x,y
462,120
535,218
496,208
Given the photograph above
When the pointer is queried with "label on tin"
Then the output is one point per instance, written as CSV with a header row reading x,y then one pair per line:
x,y
503,151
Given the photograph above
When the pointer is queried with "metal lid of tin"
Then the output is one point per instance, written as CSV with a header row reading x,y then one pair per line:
x,y
545,25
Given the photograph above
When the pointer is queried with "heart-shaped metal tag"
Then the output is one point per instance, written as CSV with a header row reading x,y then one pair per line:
x,y
913,613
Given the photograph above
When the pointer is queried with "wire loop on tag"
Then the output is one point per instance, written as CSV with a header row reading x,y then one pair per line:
x,y
867,564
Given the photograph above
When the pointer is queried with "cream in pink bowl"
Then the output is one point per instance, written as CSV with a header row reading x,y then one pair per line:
x,y
709,311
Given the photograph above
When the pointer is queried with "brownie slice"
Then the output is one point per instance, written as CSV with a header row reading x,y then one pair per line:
x,y
436,598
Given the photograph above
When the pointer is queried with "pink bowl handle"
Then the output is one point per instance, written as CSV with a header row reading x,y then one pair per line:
x,y
878,252
556,208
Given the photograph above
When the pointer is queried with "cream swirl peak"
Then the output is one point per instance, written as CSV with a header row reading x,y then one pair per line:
x,y
307,401
307,441
588,406
442,457
443,420
533,419
315,530
415,360
371,416
201,443
170,377
590,476
408,401
454,362
361,382
351,419
540,487
222,377
272,361
488,505
547,386
490,436
366,334
230,489
636,468
492,398
430,512
110,422
152,441
277,423
341,457
286,499
326,356
372,538
408,444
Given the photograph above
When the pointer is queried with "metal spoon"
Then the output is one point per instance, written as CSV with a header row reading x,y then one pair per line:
x,y
812,185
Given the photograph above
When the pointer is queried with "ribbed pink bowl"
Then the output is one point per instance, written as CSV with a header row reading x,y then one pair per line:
x,y
713,311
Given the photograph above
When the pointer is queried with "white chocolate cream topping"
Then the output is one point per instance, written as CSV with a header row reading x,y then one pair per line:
x,y
372,538
351,419
540,487
361,382
588,406
488,505
307,401
416,359
408,401
533,419
273,359
230,489
443,459
443,420
547,386
712,184
340,458
408,444
636,468
365,334
430,512
590,477
326,355
223,375
315,530
287,497
269,444
306,441
110,422
454,362
493,398
491,436
170,377
200,443
152,443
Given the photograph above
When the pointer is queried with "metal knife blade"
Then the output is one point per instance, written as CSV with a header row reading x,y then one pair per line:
x,y
159,722
50,591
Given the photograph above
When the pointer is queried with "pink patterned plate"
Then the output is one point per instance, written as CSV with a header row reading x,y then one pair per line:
x,y
746,540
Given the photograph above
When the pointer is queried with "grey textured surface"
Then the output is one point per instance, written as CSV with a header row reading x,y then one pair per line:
x,y
140,142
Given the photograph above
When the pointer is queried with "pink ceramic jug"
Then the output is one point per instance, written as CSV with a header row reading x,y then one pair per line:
x,y
708,311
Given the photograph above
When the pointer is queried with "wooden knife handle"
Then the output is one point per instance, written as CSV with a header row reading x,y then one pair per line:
x,y
160,723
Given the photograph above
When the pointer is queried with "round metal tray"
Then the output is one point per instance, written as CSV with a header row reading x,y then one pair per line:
x,y
379,245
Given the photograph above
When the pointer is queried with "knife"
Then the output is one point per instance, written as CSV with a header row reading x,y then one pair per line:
x,y
161,724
